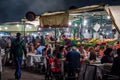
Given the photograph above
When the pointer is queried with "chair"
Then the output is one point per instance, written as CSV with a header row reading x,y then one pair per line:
x,y
83,68
72,74
39,66
90,72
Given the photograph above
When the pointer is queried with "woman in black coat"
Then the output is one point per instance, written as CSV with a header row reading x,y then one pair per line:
x,y
108,57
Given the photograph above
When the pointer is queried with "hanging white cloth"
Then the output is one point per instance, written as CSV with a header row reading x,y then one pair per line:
x,y
2,52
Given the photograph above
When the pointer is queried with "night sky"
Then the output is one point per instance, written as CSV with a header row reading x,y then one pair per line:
x,y
14,10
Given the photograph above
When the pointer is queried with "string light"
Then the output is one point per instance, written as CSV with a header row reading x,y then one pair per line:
x,y
75,24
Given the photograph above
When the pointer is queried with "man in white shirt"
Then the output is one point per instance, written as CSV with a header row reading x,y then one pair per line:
x,y
96,35
87,35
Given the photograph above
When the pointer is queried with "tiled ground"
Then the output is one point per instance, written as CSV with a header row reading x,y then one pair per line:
x,y
8,74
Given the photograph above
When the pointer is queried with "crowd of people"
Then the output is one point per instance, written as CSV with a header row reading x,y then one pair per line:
x,y
73,55
14,48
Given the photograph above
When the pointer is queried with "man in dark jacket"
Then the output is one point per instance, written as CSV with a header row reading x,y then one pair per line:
x,y
73,59
67,42
17,49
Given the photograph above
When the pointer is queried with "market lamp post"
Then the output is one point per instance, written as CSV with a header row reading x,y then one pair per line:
x,y
23,22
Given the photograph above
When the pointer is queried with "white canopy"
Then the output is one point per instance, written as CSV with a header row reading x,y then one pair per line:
x,y
114,12
17,27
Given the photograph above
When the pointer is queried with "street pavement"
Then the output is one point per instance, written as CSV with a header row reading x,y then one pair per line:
x,y
8,74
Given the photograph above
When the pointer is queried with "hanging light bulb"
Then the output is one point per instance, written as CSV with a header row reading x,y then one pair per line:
x,y
108,17
70,23
85,22
39,28
17,25
27,26
75,24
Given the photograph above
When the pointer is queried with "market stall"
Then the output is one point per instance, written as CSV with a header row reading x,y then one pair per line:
x,y
80,25
95,23
113,11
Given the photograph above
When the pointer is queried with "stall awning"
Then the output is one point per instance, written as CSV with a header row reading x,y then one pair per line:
x,y
55,19
114,12
17,27
60,19
87,8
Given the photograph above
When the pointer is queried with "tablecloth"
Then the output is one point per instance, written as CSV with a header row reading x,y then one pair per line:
x,y
31,58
